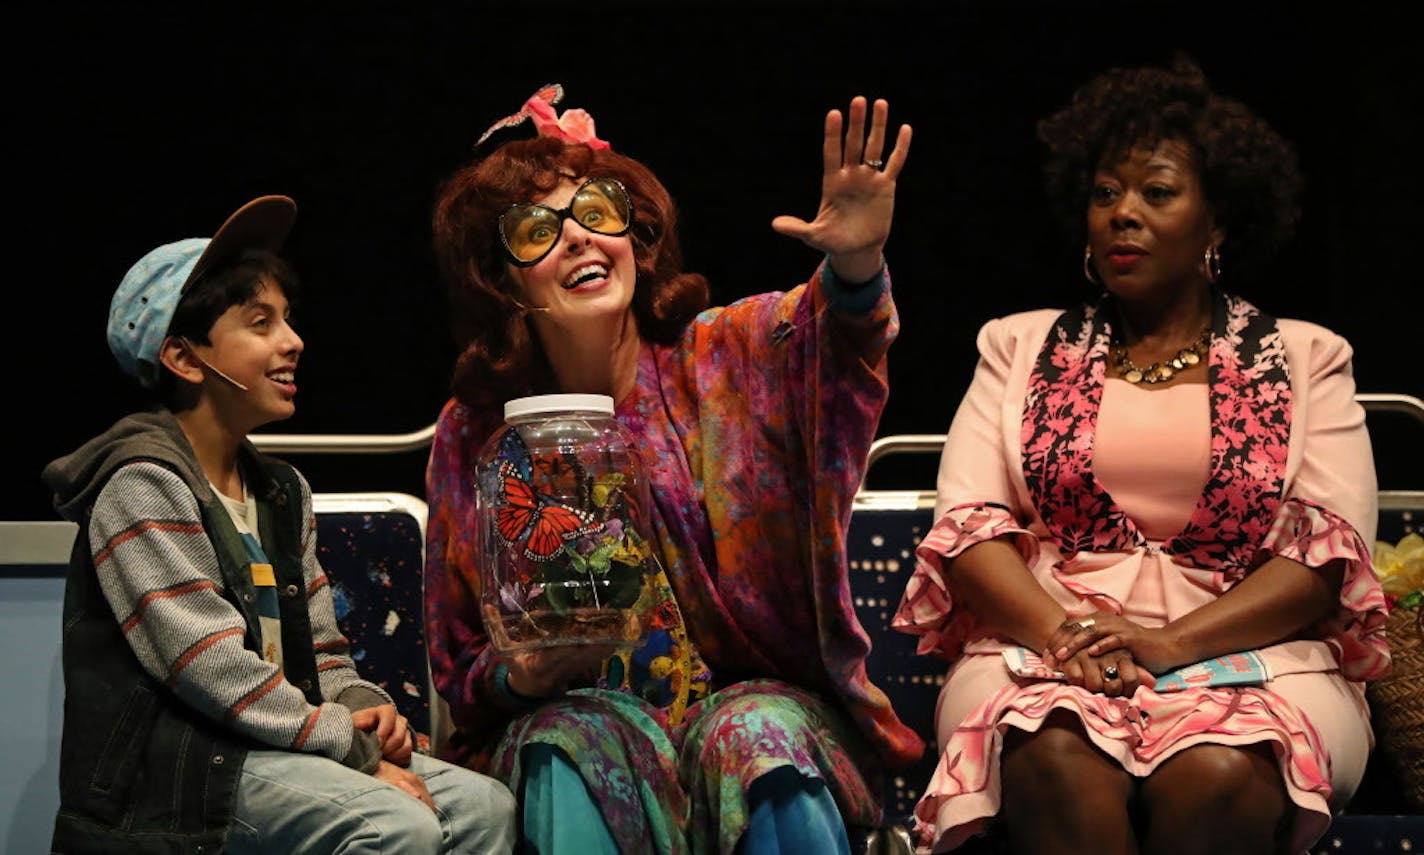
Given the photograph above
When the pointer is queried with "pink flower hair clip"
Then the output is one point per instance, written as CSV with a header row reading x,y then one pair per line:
x,y
574,126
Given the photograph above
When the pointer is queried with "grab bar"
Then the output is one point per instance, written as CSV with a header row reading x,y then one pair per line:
x,y
345,443
395,443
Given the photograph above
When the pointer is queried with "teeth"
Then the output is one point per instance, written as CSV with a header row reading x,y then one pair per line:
x,y
584,274
283,376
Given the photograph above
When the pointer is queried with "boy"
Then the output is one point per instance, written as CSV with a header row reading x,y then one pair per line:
x,y
210,704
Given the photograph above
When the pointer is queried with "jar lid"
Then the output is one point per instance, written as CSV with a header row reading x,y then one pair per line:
x,y
535,404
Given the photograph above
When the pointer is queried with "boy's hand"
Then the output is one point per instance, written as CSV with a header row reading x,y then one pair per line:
x,y
391,729
404,780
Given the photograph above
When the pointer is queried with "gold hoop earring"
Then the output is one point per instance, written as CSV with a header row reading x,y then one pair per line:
x,y
1088,272
1211,263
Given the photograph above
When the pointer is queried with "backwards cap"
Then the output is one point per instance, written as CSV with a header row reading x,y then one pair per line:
x,y
143,305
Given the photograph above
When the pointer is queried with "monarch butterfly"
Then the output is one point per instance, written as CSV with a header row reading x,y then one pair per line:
x,y
541,522
552,93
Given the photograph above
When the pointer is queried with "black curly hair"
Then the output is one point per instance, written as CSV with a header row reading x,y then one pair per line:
x,y
1249,173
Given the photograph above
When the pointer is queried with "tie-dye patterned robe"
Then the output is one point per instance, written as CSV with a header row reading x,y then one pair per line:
x,y
754,426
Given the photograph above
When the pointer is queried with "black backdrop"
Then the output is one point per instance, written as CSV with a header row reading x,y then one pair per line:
x,y
135,125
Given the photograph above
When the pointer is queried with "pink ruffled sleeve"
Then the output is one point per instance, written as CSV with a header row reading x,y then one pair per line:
x,y
974,501
927,608
1306,532
1331,507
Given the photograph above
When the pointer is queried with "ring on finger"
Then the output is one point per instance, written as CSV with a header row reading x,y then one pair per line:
x,y
1084,624
1110,672
875,164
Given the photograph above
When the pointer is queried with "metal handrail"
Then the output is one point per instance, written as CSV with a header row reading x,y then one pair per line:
x,y
1389,402
345,443
905,443
394,443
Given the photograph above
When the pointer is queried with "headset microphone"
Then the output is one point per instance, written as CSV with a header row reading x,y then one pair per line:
x,y
231,382
527,309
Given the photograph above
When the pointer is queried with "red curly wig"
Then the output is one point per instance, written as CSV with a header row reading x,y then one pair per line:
x,y
501,357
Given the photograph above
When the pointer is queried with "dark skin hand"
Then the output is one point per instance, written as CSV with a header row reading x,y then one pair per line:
x,y
1272,603
1090,671
994,582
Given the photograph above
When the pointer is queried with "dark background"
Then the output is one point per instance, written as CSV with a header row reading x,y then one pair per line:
x,y
132,126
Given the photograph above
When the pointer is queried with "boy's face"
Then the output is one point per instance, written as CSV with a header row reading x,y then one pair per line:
x,y
255,345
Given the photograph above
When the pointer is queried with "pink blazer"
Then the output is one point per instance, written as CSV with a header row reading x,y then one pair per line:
x,y
1328,507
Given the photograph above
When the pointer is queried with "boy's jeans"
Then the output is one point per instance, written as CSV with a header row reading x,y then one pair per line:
x,y
291,802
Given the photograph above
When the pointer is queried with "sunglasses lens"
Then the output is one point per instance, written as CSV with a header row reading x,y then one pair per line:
x,y
602,206
529,231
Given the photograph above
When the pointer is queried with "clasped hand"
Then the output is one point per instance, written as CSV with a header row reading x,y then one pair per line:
x,y
392,730
857,195
1108,653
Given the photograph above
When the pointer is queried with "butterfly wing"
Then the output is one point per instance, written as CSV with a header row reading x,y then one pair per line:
x,y
555,523
513,451
551,94
520,506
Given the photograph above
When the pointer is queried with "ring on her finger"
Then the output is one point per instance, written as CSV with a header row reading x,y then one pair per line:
x,y
875,164
1085,623
1110,672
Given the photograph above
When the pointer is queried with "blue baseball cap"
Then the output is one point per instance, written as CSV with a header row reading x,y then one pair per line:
x,y
143,305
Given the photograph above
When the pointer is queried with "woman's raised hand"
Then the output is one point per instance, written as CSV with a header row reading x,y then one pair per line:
x,y
857,191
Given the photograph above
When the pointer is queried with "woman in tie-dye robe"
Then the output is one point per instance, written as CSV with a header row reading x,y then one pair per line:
x,y
746,722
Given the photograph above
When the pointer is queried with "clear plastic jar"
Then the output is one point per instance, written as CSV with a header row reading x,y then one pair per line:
x,y
561,527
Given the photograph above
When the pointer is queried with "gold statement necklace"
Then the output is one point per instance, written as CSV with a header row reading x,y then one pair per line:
x,y
1158,372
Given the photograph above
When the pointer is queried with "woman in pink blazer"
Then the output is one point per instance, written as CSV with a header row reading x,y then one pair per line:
x,y
1165,475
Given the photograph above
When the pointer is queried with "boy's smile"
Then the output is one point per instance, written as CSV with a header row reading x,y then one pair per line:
x,y
253,357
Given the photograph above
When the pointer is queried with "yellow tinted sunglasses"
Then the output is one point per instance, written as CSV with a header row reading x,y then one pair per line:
x,y
530,230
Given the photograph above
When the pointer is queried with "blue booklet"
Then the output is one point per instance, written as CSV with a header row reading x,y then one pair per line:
x,y
1246,668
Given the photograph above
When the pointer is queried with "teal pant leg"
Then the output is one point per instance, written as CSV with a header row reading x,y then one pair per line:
x,y
792,814
560,815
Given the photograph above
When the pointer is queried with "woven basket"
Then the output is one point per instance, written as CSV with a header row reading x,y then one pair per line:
x,y
1398,703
